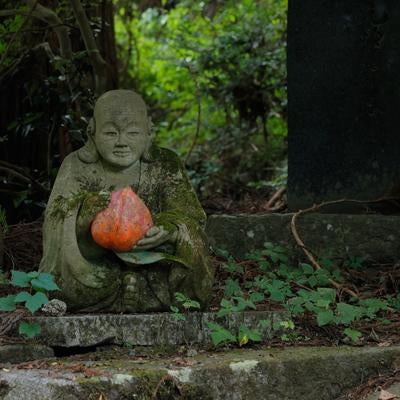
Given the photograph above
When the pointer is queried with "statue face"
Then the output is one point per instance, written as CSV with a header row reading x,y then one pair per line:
x,y
121,134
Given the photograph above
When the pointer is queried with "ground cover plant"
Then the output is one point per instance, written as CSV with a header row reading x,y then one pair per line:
x,y
213,74
31,293
315,310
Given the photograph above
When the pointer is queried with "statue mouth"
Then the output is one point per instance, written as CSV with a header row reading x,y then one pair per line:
x,y
120,153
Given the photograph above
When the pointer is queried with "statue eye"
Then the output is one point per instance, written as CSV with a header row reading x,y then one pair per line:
x,y
110,133
133,133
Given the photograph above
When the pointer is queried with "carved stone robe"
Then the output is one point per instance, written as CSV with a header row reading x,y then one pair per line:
x,y
96,279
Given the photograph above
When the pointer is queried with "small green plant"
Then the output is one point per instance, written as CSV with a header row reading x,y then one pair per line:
x,y
394,302
232,267
354,263
185,304
288,327
300,289
222,336
245,335
37,285
353,334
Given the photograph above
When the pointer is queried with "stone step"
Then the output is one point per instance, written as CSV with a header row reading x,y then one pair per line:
x,y
375,238
17,353
307,373
158,329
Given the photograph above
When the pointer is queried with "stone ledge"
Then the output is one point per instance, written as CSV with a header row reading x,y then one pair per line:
x,y
373,237
158,329
271,374
17,353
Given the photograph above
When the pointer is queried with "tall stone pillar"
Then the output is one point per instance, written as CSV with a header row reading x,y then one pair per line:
x,y
344,100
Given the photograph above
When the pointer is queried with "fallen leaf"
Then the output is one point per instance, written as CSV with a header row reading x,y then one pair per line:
x,y
78,368
178,361
385,395
384,344
90,372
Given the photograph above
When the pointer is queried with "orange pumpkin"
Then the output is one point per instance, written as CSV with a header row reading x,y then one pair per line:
x,y
123,223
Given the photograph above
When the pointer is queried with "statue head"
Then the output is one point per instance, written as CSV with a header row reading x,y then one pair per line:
x,y
119,132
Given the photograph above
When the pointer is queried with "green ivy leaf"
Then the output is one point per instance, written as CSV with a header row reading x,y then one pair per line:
x,y
20,279
312,281
177,315
256,297
36,301
29,330
327,294
323,303
44,281
7,303
232,288
22,296
296,305
322,276
346,313
243,304
325,317
33,274
307,268
219,334
353,334
265,324
373,306
246,334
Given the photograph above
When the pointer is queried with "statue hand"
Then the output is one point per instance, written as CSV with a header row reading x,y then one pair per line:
x,y
154,237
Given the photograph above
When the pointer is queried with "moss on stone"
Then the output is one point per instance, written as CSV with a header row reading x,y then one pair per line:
x,y
93,202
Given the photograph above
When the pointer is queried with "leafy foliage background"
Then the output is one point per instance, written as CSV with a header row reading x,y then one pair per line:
x,y
212,72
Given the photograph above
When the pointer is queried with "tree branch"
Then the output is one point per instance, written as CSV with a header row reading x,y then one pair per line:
x,y
51,18
316,207
19,173
97,61
33,5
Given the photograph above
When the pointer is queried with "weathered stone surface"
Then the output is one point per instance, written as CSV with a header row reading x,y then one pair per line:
x,y
373,237
272,374
16,353
158,329
393,389
343,90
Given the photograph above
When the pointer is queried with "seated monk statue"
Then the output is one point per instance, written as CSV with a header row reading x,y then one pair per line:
x,y
119,153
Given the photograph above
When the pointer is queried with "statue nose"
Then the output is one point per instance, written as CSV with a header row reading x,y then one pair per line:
x,y
121,141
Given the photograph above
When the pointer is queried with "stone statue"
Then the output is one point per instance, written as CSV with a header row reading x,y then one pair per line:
x,y
119,153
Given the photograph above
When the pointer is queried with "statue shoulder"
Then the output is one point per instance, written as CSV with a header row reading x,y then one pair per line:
x,y
70,167
167,158
71,162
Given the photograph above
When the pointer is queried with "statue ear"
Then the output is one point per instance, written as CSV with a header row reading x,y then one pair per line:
x,y
88,153
147,153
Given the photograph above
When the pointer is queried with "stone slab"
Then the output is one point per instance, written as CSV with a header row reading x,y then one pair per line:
x,y
393,389
17,353
373,237
270,374
344,97
158,329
